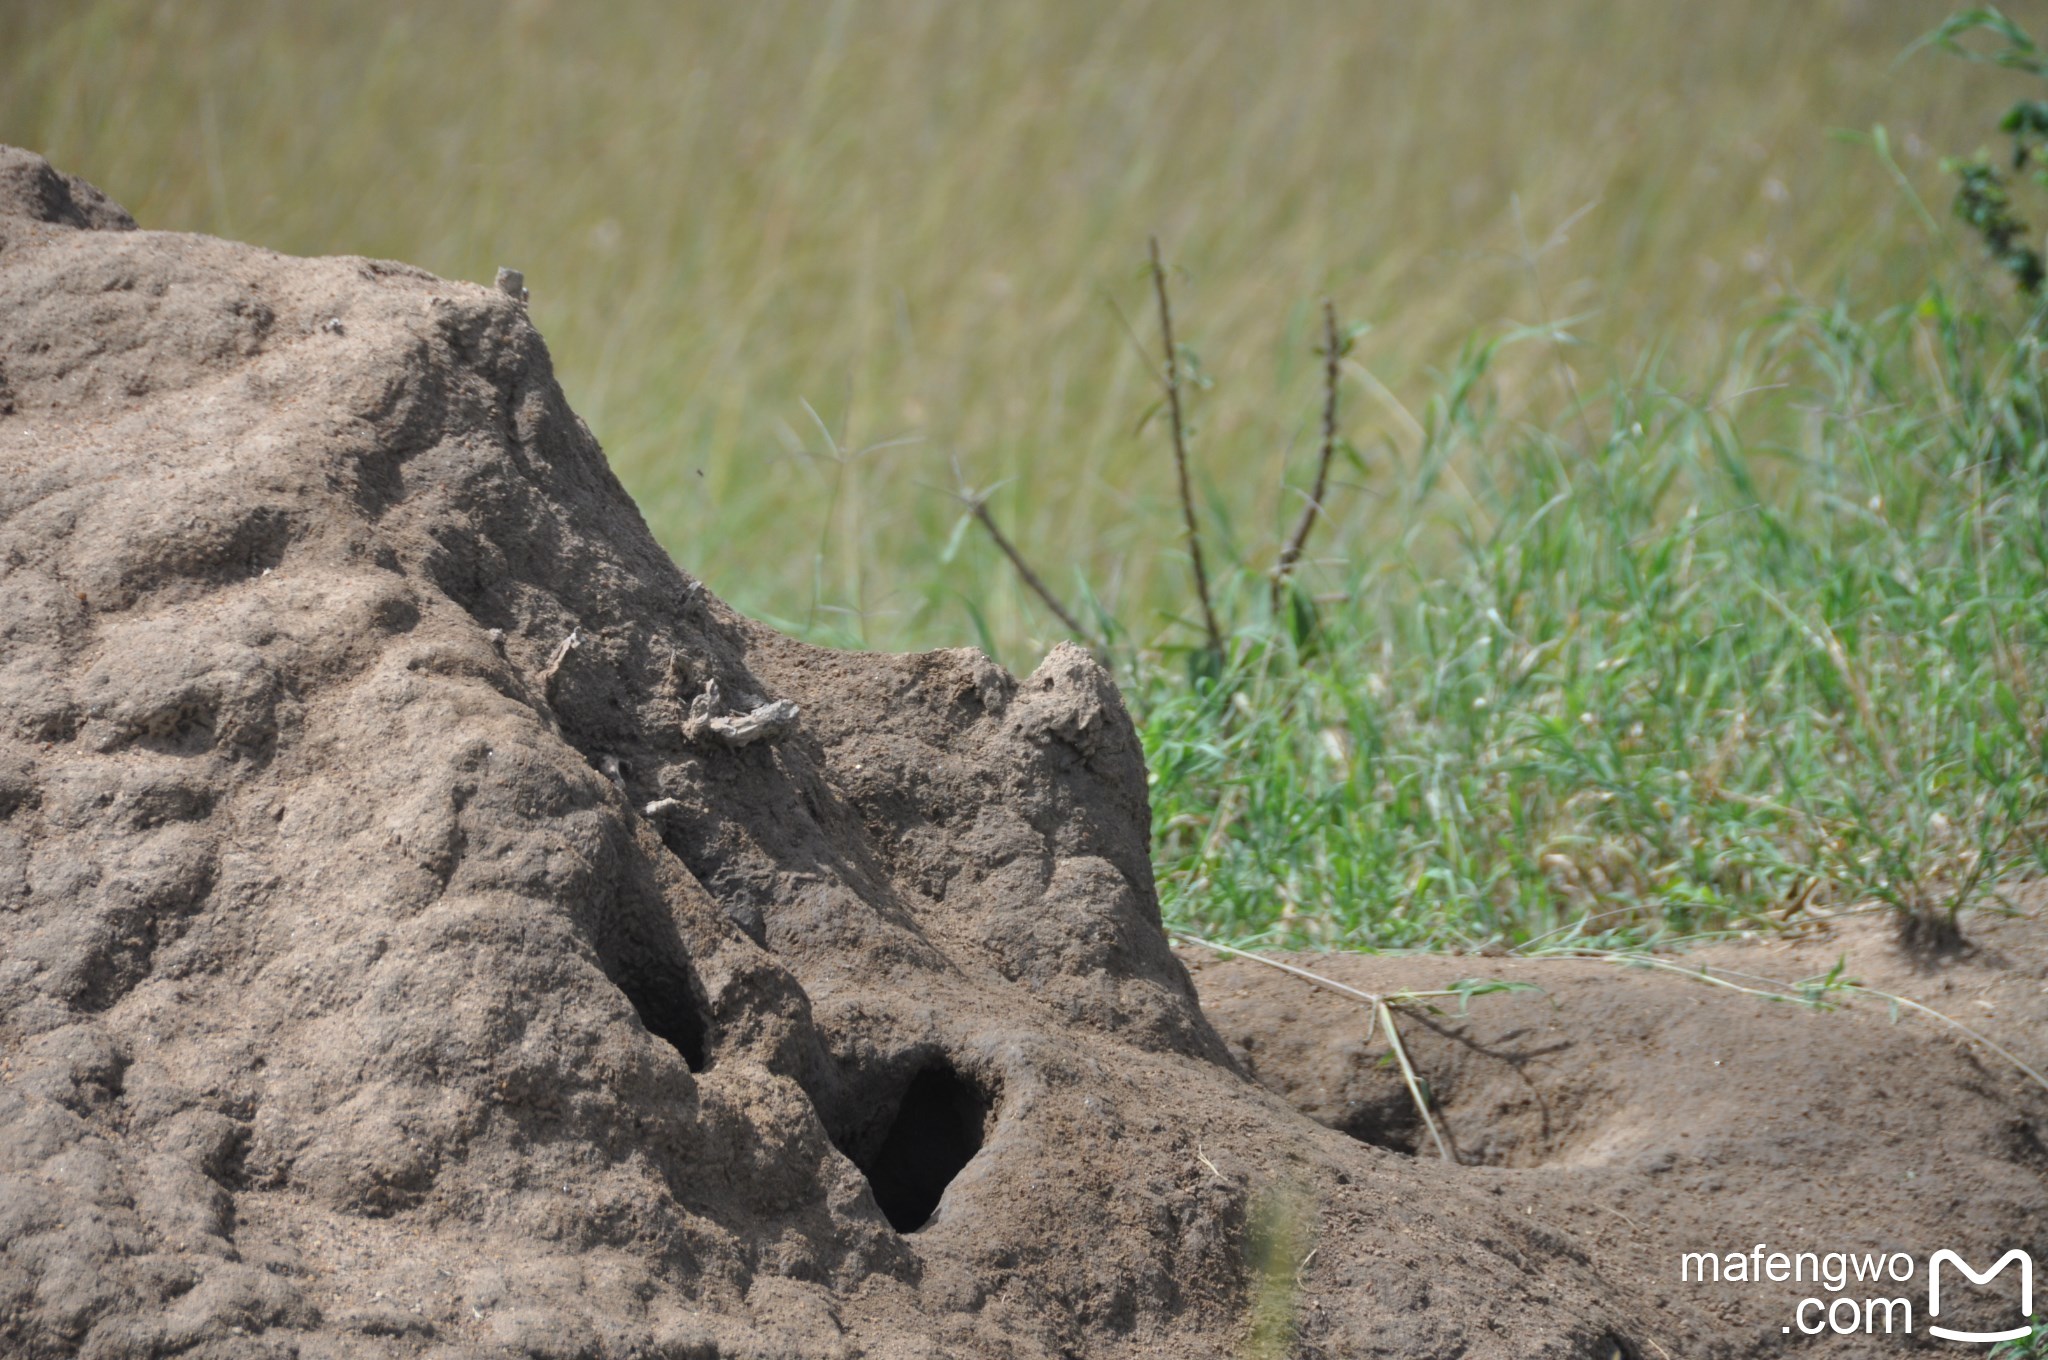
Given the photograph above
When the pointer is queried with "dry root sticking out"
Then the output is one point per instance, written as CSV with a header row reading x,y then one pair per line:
x,y
554,666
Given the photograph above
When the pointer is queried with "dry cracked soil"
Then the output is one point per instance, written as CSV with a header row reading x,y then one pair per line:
x,y
433,925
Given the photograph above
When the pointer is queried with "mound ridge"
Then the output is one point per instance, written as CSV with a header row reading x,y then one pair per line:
x,y
432,924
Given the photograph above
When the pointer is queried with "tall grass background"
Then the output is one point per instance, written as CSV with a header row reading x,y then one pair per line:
x,y
911,219
1671,582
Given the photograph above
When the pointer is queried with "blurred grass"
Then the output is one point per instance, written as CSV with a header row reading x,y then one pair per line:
x,y
912,218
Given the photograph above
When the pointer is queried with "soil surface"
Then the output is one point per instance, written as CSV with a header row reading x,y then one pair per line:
x,y
431,924
1641,1114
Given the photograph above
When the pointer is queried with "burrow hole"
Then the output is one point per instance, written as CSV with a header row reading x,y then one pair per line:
x,y
667,1004
1387,1121
938,1127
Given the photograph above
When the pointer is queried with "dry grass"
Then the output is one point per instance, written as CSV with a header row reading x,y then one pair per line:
x,y
908,218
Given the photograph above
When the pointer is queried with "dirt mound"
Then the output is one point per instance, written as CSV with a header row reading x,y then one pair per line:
x,y
432,925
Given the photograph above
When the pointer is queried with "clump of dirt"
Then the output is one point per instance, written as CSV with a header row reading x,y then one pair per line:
x,y
431,924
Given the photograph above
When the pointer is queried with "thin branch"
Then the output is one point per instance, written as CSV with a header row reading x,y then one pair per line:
x,y
1180,451
1297,542
1968,1033
1379,1015
978,508
1790,992
1414,1083
1530,257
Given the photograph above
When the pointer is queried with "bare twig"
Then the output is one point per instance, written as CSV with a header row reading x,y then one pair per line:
x,y
1416,1094
1910,1004
1180,451
1530,257
1380,1014
1333,357
978,507
1775,990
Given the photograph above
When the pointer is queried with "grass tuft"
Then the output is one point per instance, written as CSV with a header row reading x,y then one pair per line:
x,y
1770,646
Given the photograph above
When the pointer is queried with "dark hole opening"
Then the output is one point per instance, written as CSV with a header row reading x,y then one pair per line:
x,y
937,1130
663,999
1388,1122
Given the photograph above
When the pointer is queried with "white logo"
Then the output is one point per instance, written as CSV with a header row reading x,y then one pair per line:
x,y
1934,1264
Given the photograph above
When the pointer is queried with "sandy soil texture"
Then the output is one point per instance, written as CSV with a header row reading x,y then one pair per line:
x,y
1642,1115
432,925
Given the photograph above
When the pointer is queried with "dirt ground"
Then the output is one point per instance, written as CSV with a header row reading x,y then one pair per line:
x,y
1640,1114
432,925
